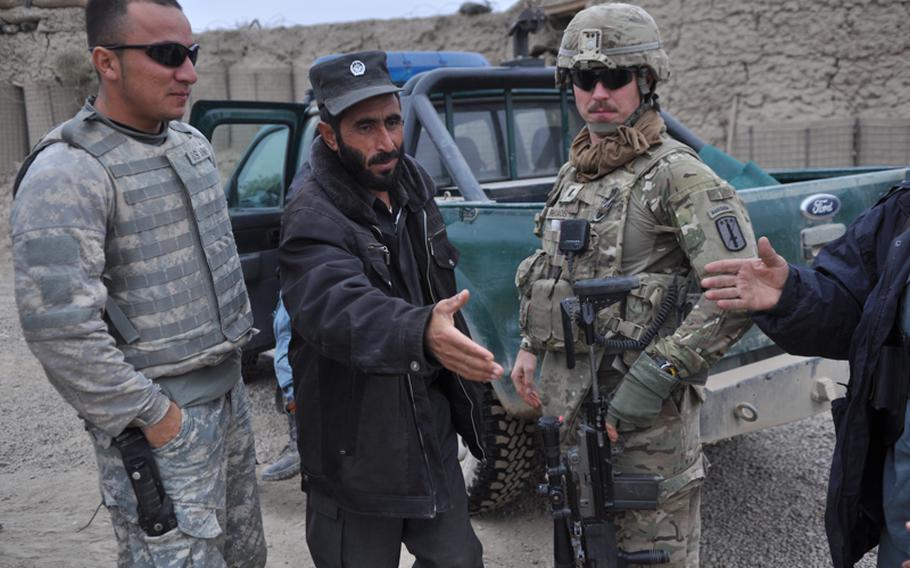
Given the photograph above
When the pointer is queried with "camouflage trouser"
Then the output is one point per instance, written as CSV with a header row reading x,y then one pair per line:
x,y
209,472
671,448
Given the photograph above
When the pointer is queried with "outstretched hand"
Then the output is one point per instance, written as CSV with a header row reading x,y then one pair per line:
x,y
748,284
455,350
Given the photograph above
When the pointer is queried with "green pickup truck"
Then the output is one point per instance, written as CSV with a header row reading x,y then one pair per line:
x,y
494,138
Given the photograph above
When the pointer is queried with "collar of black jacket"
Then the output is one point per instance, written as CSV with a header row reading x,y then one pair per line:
x,y
415,188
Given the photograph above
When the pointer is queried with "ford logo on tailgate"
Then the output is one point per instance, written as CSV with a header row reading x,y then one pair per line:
x,y
820,206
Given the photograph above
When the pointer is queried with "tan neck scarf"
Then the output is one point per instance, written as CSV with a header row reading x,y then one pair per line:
x,y
595,161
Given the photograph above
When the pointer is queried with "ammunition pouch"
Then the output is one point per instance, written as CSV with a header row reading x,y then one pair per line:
x,y
540,318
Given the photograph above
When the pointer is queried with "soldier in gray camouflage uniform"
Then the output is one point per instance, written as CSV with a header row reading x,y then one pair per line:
x,y
131,295
655,211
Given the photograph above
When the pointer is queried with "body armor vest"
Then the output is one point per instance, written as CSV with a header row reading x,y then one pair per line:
x,y
546,278
174,279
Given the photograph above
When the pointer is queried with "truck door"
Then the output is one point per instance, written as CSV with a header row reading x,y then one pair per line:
x,y
258,147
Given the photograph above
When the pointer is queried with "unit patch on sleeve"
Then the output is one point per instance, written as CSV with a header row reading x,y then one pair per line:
x,y
731,233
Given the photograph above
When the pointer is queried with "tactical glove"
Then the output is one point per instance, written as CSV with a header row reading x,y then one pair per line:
x,y
641,394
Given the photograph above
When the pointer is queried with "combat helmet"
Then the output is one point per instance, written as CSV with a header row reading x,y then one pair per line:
x,y
615,35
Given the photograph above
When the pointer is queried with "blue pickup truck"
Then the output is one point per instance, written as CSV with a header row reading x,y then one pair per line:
x,y
494,138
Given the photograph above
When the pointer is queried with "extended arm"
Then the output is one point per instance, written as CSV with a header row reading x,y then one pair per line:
x,y
336,307
815,310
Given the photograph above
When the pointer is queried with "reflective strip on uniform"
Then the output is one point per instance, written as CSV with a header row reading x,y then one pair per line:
x,y
52,250
175,299
58,319
134,196
178,327
150,221
139,166
169,274
177,352
151,250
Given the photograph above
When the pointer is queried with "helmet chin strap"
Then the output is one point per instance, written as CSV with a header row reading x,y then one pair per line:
x,y
648,101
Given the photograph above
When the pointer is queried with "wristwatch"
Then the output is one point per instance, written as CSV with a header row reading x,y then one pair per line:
x,y
665,366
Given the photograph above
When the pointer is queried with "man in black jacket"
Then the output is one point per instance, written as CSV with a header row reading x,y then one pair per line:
x,y
854,303
385,373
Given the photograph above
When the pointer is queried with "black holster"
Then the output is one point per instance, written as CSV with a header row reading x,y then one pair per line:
x,y
156,512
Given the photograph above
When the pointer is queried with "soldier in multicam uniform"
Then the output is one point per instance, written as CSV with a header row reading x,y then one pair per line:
x,y
131,295
655,211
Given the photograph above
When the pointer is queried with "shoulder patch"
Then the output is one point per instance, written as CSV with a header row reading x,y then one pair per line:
x,y
719,210
731,234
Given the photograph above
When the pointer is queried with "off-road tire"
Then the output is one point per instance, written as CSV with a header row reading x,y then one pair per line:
x,y
512,459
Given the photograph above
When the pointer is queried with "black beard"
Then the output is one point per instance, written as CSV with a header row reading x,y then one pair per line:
x,y
357,165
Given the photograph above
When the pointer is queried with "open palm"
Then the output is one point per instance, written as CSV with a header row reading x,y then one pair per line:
x,y
747,284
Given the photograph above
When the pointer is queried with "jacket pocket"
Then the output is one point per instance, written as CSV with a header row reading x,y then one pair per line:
x,y
443,252
377,258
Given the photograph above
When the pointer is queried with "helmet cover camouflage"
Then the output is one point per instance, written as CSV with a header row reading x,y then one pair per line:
x,y
613,35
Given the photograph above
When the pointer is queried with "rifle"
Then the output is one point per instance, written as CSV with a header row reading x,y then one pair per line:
x,y
585,493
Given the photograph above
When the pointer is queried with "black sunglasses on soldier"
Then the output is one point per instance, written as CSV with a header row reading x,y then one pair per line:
x,y
610,78
169,54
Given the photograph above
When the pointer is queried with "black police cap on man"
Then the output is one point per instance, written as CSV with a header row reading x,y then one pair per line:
x,y
346,80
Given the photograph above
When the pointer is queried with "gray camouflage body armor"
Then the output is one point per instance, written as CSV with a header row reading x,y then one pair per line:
x,y
176,295
544,278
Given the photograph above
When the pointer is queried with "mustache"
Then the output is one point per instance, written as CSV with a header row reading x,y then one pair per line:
x,y
601,106
383,158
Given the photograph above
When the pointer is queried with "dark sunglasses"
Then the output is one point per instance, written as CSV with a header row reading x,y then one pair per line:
x,y
610,78
169,54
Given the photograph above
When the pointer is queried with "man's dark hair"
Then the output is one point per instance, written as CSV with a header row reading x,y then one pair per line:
x,y
333,121
103,19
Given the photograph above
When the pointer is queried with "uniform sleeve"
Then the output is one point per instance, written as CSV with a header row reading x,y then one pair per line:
x,y
711,223
59,224
335,306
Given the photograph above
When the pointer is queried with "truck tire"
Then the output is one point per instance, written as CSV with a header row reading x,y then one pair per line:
x,y
512,459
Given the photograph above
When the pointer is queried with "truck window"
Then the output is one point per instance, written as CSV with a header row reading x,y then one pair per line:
x,y
258,179
538,138
480,132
